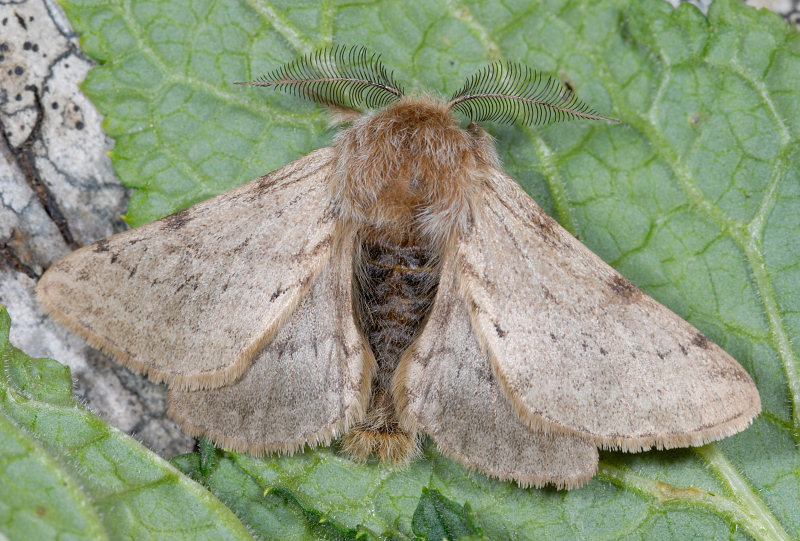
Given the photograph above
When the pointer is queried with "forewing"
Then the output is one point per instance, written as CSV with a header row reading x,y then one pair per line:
x,y
578,346
446,386
189,299
306,386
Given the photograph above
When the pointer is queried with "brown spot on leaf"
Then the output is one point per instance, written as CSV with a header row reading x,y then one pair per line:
x,y
41,510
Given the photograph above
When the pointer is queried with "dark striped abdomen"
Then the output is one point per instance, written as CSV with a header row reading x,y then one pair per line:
x,y
395,288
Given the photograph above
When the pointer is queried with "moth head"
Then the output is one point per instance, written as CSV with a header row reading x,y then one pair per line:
x,y
407,160
410,167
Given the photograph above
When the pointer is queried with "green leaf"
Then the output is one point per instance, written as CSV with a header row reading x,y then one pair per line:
x,y
66,474
694,197
273,511
436,517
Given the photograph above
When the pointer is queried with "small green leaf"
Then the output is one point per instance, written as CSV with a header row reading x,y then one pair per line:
x,y
320,526
206,453
64,473
274,512
436,517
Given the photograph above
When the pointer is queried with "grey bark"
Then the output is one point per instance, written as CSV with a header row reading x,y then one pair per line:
x,y
58,191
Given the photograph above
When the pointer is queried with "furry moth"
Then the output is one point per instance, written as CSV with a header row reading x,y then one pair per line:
x,y
399,283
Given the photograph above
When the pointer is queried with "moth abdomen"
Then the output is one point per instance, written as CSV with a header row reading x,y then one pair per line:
x,y
394,290
397,287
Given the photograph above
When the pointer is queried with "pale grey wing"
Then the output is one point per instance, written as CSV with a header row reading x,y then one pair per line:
x,y
578,346
191,298
445,386
309,384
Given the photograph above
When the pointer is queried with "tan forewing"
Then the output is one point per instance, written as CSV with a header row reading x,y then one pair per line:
x,y
307,385
445,386
578,346
190,299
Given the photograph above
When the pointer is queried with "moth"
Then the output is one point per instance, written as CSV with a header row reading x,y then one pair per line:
x,y
398,284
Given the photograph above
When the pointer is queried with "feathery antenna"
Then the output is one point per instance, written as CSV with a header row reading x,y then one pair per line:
x,y
507,92
341,76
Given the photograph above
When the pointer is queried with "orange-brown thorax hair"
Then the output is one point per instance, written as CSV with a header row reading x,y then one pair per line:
x,y
410,170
